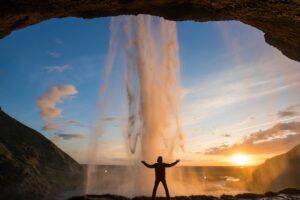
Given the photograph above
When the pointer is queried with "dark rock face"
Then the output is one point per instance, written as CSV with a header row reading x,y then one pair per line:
x,y
31,166
278,172
249,196
278,19
289,194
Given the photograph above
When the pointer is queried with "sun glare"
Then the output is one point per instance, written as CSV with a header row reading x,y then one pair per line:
x,y
240,159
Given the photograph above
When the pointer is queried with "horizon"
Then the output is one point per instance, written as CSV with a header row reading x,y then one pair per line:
x,y
253,117
134,162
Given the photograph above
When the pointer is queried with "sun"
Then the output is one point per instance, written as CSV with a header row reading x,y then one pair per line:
x,y
240,159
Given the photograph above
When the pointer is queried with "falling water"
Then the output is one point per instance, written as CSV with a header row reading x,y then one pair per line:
x,y
153,90
98,129
153,96
153,87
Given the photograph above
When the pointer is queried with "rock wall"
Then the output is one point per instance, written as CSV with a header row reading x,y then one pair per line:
x,y
278,19
278,172
31,166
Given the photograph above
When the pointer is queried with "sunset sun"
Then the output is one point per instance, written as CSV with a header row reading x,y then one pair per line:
x,y
240,159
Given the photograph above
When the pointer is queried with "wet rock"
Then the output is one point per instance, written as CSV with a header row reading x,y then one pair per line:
x,y
249,196
99,197
292,191
270,194
227,197
203,197
292,195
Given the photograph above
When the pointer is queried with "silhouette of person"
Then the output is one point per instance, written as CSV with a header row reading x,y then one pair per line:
x,y
160,174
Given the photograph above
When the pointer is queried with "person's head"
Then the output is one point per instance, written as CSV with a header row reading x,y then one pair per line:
x,y
159,159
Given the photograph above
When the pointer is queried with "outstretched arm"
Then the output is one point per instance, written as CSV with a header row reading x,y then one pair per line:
x,y
147,165
172,164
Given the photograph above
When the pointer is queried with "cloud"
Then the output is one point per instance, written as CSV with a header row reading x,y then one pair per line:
x,y
78,124
276,139
243,78
58,41
290,111
58,68
55,95
58,136
73,122
65,136
113,118
51,126
234,86
55,126
226,135
287,113
54,54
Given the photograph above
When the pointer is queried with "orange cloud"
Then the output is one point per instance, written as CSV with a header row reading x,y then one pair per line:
x,y
276,139
50,126
48,104
55,94
290,111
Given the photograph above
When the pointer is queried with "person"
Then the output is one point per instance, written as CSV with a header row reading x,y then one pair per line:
x,y
160,174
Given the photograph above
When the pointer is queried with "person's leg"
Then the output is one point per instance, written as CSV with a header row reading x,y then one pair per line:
x,y
154,189
166,188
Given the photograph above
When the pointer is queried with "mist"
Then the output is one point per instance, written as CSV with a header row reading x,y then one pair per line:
x,y
152,124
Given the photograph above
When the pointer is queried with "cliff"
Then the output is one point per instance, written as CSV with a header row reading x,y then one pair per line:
x,y
31,166
279,172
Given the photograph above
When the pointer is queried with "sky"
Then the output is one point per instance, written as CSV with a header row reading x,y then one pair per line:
x,y
240,94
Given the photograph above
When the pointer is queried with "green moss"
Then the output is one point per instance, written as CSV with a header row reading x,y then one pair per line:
x,y
4,152
34,164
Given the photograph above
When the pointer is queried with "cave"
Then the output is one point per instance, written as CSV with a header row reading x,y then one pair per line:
x,y
278,19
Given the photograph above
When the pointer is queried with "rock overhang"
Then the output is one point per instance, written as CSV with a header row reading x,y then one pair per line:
x,y
278,19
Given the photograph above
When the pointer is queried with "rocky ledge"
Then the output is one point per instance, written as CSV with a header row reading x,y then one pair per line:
x,y
278,19
286,194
